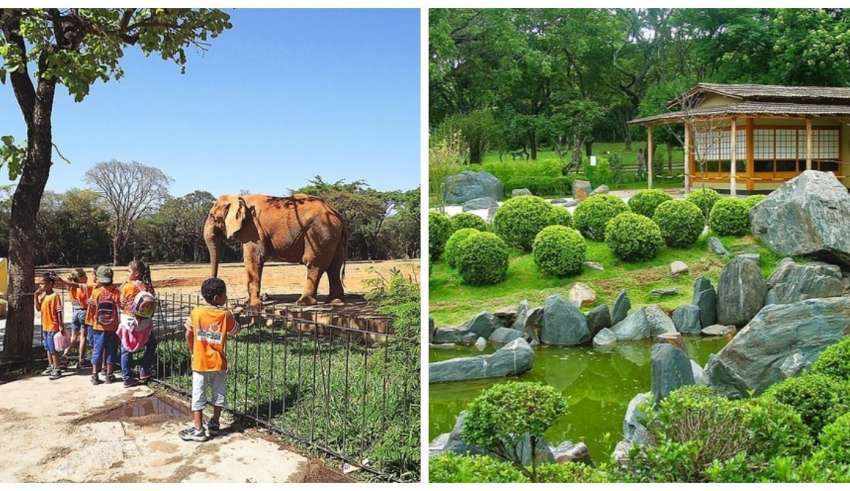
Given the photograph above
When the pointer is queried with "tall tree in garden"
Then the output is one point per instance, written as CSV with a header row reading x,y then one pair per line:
x,y
43,48
131,191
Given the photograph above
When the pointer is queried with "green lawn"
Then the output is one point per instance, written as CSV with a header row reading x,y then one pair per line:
x,y
452,302
601,148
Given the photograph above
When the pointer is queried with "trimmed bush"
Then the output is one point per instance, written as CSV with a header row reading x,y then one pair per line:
x,y
451,467
834,361
753,200
835,443
558,215
569,472
729,216
680,222
519,219
482,259
645,202
775,429
819,399
593,214
467,220
541,185
559,250
451,248
704,198
633,237
439,229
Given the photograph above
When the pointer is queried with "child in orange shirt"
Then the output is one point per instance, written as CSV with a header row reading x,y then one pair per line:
x,y
104,305
49,304
207,330
139,280
80,289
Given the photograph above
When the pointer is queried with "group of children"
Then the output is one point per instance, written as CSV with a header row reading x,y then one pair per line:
x,y
117,321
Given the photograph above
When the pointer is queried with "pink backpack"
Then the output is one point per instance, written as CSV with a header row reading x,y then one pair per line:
x,y
135,331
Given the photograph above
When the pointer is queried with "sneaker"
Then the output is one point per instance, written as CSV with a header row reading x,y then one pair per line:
x,y
213,429
47,371
193,435
109,379
56,374
131,382
95,380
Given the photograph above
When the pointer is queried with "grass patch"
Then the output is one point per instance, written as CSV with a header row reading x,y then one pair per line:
x,y
452,302
602,148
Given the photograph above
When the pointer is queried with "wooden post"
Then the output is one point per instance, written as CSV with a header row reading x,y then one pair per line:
x,y
751,165
808,144
687,152
649,156
733,189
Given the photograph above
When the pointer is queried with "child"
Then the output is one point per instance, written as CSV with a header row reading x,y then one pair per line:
x,y
136,332
80,289
207,330
49,304
104,304
139,281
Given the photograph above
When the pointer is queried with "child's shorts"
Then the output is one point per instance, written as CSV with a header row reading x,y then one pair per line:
x,y
104,347
202,380
78,320
47,341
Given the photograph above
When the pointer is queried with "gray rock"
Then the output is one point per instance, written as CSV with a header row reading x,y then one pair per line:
x,y
581,189
533,325
455,444
467,185
622,304
480,204
752,256
643,323
520,192
563,323
480,344
706,301
718,330
520,316
664,292
443,346
740,292
483,324
717,247
678,268
507,315
504,335
468,338
593,265
701,284
621,454
443,335
438,445
757,355
792,282
568,451
808,215
686,319
565,202
431,329
605,337
700,377
512,359
598,318
793,365
671,369
581,295
603,189
542,454
633,430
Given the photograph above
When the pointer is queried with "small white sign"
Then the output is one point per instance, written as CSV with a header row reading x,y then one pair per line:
x,y
593,160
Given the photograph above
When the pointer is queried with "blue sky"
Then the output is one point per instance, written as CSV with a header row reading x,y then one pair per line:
x,y
282,96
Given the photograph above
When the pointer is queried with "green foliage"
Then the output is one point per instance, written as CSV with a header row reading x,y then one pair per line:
x,y
834,443
753,200
645,202
559,250
834,361
439,229
446,155
593,214
729,216
704,198
467,220
12,155
680,221
633,237
818,398
482,259
517,170
541,185
451,249
453,468
519,220
600,173
569,472
558,215
775,429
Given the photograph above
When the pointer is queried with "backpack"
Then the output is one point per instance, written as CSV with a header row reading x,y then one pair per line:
x,y
144,305
106,309
134,333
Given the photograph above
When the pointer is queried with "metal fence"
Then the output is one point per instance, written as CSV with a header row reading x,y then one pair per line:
x,y
338,389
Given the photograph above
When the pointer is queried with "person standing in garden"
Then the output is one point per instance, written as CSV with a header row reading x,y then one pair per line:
x,y
49,305
207,330
80,289
104,305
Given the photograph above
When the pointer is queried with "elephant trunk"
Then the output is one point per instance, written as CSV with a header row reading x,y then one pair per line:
x,y
212,236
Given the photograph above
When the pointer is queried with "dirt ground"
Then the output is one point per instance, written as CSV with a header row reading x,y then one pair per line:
x,y
70,431
277,277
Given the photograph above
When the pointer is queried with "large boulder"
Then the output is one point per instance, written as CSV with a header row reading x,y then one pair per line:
x,y
512,359
633,430
563,323
483,324
444,335
686,319
605,337
644,323
778,337
792,282
460,188
598,318
671,369
488,204
700,377
740,292
581,189
705,298
808,215
568,451
622,304
504,335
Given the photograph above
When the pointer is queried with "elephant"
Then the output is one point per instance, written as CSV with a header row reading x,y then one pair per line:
x,y
300,228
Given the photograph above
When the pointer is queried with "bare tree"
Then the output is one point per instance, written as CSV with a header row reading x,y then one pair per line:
x,y
131,190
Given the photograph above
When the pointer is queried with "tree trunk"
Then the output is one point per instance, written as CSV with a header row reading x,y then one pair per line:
x,y
588,148
532,142
669,159
17,339
627,135
116,246
475,152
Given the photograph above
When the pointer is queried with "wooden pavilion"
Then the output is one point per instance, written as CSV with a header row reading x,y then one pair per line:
x,y
746,139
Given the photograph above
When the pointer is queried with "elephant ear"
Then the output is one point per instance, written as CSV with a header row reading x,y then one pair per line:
x,y
236,212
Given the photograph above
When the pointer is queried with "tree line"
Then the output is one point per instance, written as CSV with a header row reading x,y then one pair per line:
x,y
517,80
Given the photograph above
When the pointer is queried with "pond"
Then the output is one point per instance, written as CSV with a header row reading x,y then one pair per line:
x,y
598,386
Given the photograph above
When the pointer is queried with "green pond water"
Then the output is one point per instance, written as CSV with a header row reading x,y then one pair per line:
x,y
598,386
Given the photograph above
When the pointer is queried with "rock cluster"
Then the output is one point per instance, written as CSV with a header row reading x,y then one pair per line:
x,y
465,186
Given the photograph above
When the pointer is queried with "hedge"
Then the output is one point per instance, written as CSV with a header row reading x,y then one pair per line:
x,y
482,259
541,185
633,237
680,221
559,250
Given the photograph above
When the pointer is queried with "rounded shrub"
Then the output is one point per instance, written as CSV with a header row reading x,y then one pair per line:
x,y
467,220
451,467
482,259
818,398
593,214
729,216
558,215
834,361
753,200
645,202
704,198
633,237
559,250
680,221
519,219
439,229
775,429
569,472
451,248
834,443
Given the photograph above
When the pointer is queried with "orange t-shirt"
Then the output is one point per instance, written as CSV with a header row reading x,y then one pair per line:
x,y
100,294
89,311
51,313
211,326
129,289
80,296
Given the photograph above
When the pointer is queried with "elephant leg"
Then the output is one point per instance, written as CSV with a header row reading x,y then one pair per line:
x,y
254,269
314,275
337,293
